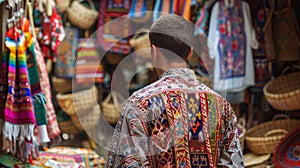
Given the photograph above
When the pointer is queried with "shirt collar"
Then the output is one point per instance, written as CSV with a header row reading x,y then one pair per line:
x,y
185,72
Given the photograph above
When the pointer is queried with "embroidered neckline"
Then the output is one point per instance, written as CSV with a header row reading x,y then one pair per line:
x,y
179,72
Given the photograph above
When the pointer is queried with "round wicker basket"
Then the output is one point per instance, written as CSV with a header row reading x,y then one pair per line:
x,y
263,138
68,127
87,120
241,126
140,41
81,16
111,107
61,85
283,93
77,102
63,4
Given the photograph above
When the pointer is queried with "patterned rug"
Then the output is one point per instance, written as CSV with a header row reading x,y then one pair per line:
x,y
287,153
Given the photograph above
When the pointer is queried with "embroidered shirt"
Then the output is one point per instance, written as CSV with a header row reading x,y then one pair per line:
x,y
176,122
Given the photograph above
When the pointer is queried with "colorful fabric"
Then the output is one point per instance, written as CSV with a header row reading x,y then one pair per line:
x,y
66,54
9,161
162,7
287,151
201,21
88,67
233,69
114,36
52,33
85,158
52,126
34,80
232,40
177,122
18,115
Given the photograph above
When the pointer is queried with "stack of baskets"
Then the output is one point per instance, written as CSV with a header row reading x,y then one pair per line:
x,y
81,106
283,93
263,138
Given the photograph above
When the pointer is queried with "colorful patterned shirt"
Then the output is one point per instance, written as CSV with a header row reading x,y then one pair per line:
x,y
176,122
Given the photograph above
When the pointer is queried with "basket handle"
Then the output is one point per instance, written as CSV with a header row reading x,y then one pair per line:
x,y
91,3
116,97
242,122
108,97
276,131
280,116
293,67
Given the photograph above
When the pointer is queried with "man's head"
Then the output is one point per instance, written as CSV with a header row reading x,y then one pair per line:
x,y
172,36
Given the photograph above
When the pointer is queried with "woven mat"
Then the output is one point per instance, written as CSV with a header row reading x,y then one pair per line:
x,y
86,158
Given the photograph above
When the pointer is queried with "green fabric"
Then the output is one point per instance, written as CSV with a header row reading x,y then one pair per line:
x,y
34,80
11,161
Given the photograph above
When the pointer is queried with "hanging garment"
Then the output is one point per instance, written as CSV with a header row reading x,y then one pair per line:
x,y
38,97
18,114
66,54
88,67
162,7
230,40
52,126
52,34
114,35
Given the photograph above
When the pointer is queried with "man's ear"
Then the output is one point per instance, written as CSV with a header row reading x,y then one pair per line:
x,y
189,56
154,52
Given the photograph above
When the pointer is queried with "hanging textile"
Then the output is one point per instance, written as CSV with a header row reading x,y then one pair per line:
x,y
52,125
88,67
114,36
18,114
52,32
38,97
230,39
162,7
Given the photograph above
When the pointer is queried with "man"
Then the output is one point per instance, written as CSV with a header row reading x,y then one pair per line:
x,y
176,121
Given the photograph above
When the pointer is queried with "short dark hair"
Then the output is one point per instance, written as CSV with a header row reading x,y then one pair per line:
x,y
174,34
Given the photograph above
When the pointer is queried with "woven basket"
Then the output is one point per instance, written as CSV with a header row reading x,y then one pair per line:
x,y
252,160
111,107
88,120
113,58
61,85
78,102
81,16
241,126
283,93
263,138
141,41
62,4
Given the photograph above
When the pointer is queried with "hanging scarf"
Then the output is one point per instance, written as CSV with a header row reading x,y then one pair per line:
x,y
201,20
18,116
162,7
52,126
34,80
231,46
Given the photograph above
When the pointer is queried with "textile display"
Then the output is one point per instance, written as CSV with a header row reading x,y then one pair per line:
x,y
114,36
88,66
66,54
231,45
85,158
52,125
18,118
161,7
52,32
